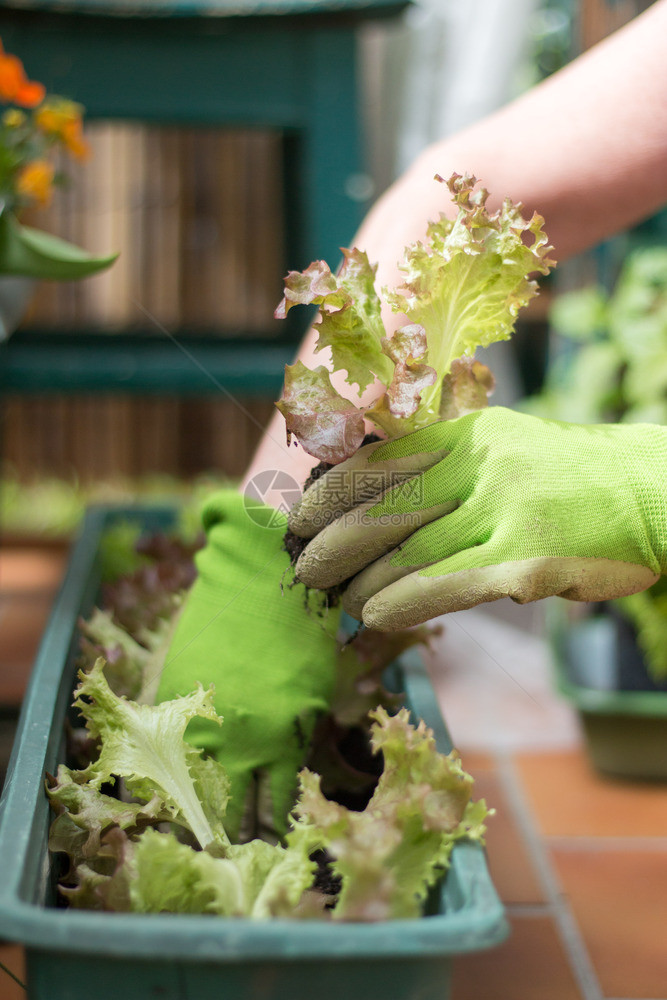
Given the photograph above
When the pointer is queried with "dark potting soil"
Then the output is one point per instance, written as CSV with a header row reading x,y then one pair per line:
x,y
355,748
325,881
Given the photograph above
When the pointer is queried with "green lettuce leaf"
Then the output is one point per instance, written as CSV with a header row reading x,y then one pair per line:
x,y
83,814
132,668
350,323
256,880
144,745
385,856
102,882
125,658
466,284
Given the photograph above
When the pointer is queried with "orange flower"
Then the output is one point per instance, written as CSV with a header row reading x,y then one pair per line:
x,y
15,85
35,182
62,118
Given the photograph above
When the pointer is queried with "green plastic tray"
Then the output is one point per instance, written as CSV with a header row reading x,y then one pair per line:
x,y
76,955
625,731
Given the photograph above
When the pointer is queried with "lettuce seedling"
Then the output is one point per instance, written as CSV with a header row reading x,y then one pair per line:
x,y
463,288
388,855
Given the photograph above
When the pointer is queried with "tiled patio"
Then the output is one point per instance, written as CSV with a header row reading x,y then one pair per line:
x,y
580,861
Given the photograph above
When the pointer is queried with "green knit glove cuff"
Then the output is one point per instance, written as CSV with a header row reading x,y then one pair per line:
x,y
643,450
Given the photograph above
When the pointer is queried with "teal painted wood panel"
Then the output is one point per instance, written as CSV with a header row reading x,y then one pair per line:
x,y
216,8
142,363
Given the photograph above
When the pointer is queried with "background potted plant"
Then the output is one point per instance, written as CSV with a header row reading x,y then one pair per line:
x,y
612,657
34,128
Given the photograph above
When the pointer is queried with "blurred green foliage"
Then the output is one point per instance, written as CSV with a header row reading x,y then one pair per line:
x,y
52,508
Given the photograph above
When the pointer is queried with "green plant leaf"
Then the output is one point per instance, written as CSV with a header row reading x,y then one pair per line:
x,y
36,254
350,322
84,813
467,282
144,744
246,880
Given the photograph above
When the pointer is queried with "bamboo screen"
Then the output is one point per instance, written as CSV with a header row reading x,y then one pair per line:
x,y
197,217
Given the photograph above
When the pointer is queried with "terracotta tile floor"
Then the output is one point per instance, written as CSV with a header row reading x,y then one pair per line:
x,y
580,861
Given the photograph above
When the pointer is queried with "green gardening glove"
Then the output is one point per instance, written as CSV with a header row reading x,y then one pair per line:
x,y
492,504
269,653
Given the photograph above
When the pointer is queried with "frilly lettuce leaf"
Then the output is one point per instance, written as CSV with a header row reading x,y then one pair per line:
x,y
388,855
463,288
141,599
129,665
118,863
83,814
328,426
350,322
407,349
251,880
466,284
102,882
144,745
465,388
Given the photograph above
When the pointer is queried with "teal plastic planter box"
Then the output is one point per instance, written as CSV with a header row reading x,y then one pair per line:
x,y
625,730
76,955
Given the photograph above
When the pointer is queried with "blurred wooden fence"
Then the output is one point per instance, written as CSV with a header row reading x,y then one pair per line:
x,y
197,217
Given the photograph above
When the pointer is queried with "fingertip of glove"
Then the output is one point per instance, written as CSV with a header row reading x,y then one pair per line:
x,y
301,520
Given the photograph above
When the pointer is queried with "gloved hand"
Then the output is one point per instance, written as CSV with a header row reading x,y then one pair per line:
x,y
511,505
269,653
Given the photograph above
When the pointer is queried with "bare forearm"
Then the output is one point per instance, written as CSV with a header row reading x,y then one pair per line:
x,y
587,149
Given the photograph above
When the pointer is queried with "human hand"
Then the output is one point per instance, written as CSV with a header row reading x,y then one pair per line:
x,y
270,655
492,504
